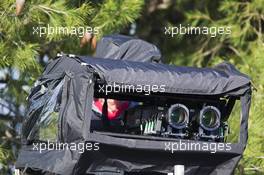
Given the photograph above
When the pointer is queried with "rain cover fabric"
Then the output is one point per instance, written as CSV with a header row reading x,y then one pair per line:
x,y
222,79
119,154
127,48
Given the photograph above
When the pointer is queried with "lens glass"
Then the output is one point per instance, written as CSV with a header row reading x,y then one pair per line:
x,y
209,118
178,116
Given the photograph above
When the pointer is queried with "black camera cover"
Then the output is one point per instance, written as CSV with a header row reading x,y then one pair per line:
x,y
123,153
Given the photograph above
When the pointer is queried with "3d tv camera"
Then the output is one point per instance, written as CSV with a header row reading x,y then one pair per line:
x,y
167,105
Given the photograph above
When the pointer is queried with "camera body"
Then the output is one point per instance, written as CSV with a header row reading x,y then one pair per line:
x,y
203,122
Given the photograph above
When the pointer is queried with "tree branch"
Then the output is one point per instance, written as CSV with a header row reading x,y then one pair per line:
x,y
4,117
3,81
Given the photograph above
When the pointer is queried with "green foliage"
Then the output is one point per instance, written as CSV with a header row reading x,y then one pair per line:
x,y
5,151
115,10
244,48
22,52
49,131
4,155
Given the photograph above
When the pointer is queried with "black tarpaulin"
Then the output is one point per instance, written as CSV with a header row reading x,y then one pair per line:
x,y
222,79
121,47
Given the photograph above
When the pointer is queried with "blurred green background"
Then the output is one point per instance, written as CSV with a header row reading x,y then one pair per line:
x,y
24,54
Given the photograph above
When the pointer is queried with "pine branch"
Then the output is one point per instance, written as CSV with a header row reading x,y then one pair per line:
x,y
18,119
3,81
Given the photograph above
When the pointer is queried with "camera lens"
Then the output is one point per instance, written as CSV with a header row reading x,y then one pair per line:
x,y
178,116
210,118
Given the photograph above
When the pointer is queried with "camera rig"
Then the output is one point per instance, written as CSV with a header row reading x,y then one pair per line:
x,y
175,117
193,108
178,121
